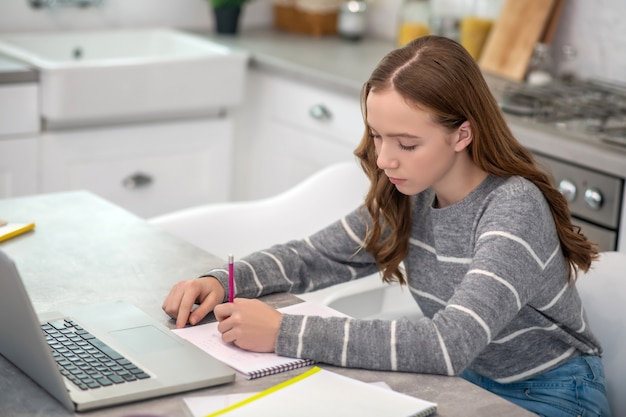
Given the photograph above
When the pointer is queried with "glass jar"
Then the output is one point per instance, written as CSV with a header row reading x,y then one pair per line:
x,y
446,16
413,21
568,64
352,20
541,66
476,24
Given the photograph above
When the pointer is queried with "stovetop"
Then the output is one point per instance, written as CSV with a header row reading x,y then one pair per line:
x,y
593,110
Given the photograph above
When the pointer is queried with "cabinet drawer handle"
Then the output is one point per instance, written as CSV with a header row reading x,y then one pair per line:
x,y
320,112
137,180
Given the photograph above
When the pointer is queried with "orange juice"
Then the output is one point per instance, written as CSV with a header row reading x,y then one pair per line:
x,y
411,30
473,34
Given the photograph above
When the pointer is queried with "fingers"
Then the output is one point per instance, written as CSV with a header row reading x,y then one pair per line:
x,y
206,306
172,302
184,295
223,311
227,324
187,301
212,294
249,324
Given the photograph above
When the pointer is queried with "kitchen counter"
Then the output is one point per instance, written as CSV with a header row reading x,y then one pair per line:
x,y
12,72
341,65
329,61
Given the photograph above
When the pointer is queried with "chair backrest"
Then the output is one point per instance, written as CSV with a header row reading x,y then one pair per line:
x,y
603,291
243,227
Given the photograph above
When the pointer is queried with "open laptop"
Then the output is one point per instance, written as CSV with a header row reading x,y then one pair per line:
x,y
114,352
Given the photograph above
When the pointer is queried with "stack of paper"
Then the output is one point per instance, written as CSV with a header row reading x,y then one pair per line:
x,y
315,393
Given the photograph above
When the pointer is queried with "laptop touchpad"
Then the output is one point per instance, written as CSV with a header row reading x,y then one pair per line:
x,y
144,339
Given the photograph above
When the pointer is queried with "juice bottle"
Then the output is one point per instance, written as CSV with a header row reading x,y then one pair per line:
x,y
413,22
473,34
476,24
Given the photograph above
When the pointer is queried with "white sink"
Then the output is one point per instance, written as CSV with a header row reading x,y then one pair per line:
x,y
368,298
93,76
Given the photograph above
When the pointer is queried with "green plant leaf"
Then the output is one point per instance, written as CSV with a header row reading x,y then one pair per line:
x,y
227,3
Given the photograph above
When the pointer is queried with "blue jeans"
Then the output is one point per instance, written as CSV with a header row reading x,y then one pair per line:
x,y
574,389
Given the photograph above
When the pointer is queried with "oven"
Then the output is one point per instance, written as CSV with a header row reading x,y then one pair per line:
x,y
594,199
595,111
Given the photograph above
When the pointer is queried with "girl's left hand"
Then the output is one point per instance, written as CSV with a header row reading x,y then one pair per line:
x,y
248,323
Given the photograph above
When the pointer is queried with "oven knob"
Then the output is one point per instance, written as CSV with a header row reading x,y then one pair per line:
x,y
594,198
568,189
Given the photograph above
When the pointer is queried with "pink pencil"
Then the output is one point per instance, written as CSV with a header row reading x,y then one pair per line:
x,y
231,279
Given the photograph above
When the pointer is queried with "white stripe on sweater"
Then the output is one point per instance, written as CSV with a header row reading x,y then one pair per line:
x,y
555,299
429,296
475,316
524,244
554,253
501,281
280,267
256,278
515,239
537,369
352,272
583,326
301,337
522,331
444,351
346,339
350,232
440,258
392,347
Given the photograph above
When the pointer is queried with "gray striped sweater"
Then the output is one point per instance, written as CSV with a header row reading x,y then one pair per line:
x,y
487,273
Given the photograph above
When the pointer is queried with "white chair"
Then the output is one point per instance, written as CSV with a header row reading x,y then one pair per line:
x,y
244,227
603,291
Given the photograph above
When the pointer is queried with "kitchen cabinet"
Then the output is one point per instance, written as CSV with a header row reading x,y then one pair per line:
x,y
18,165
19,147
287,130
148,168
20,109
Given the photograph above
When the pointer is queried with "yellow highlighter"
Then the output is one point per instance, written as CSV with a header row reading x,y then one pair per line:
x,y
9,230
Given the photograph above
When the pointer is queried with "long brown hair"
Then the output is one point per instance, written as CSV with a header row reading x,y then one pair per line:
x,y
438,75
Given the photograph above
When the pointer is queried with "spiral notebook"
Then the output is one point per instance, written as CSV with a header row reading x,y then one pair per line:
x,y
252,364
319,392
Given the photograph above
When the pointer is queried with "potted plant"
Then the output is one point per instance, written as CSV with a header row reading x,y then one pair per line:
x,y
226,14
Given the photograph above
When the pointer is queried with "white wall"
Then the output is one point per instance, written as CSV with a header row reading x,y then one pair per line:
x,y
17,15
594,27
597,29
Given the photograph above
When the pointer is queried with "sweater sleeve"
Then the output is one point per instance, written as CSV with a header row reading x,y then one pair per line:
x,y
330,256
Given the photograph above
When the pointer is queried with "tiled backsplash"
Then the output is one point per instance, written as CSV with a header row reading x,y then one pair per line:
x,y
594,28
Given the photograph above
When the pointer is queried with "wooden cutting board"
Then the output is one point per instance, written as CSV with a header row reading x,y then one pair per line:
x,y
553,23
509,47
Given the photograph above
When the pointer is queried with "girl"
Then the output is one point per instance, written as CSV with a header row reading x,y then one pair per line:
x,y
490,254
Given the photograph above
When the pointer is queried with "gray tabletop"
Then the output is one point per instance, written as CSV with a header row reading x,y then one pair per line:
x,y
85,249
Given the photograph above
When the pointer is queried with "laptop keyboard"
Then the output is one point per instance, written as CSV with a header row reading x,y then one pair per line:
x,y
86,360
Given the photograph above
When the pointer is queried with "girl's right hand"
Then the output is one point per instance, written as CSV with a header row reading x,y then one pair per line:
x,y
206,291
